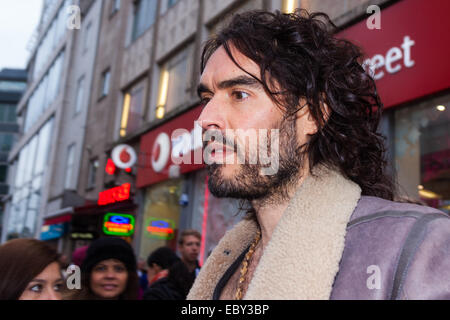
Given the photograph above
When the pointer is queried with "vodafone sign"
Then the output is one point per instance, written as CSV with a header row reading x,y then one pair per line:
x,y
123,156
171,149
409,55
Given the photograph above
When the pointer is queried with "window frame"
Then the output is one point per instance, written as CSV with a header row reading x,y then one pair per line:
x,y
78,99
90,184
69,165
103,94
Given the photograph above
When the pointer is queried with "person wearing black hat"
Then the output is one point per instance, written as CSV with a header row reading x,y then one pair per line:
x,y
109,272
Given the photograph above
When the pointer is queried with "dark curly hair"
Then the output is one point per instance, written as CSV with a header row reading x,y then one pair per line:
x,y
299,53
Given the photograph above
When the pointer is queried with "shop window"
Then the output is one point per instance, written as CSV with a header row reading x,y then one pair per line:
x,y
45,93
132,110
92,173
115,6
69,166
3,172
422,152
288,6
26,189
52,37
87,36
80,95
7,113
6,141
106,75
144,16
161,216
15,86
171,3
174,83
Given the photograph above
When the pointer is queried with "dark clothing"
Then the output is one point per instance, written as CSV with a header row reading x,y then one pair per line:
x,y
333,243
163,289
414,257
173,287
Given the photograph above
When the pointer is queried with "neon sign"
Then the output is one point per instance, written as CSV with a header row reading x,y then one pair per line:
x,y
110,167
113,195
118,224
160,228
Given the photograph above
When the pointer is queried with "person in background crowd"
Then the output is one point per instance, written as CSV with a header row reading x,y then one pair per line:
x,y
142,273
159,261
173,287
108,272
29,270
189,247
78,255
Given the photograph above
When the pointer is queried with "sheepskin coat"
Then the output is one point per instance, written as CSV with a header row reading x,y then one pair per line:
x,y
333,243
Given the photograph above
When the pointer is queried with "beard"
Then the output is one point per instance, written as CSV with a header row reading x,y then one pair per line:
x,y
249,184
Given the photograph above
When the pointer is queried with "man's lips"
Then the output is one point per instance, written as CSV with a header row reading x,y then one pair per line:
x,y
219,150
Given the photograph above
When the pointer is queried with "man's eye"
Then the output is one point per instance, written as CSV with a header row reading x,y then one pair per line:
x,y
240,95
204,101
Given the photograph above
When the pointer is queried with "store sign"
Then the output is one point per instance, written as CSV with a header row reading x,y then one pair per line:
x,y
408,55
160,228
113,195
53,231
83,236
124,156
171,149
118,224
110,167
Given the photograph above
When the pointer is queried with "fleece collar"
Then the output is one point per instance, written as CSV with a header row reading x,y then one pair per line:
x,y
302,258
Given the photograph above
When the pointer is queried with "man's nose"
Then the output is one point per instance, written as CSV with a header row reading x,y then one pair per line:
x,y
212,117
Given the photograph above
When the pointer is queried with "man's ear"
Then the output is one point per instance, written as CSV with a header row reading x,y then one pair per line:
x,y
306,124
326,112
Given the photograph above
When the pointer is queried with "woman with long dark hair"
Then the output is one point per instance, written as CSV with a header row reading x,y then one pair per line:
x,y
29,270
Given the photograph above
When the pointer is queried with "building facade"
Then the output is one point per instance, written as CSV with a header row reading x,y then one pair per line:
x,y
13,83
51,114
110,168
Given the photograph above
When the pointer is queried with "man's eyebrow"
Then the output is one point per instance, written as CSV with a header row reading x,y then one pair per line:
x,y
233,82
239,81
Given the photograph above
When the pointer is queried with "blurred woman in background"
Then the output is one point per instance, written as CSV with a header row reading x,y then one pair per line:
x,y
108,272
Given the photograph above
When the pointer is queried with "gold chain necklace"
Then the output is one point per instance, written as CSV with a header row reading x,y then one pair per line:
x,y
245,263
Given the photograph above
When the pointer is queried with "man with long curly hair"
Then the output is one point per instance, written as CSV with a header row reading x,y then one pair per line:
x,y
324,225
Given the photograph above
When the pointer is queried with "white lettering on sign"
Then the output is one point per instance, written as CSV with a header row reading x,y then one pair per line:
x,y
391,61
183,142
160,152
178,147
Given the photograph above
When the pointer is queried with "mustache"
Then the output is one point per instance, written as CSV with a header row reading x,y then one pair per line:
x,y
226,141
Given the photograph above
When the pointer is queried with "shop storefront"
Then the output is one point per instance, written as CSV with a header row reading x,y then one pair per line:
x,y
173,182
113,215
409,60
